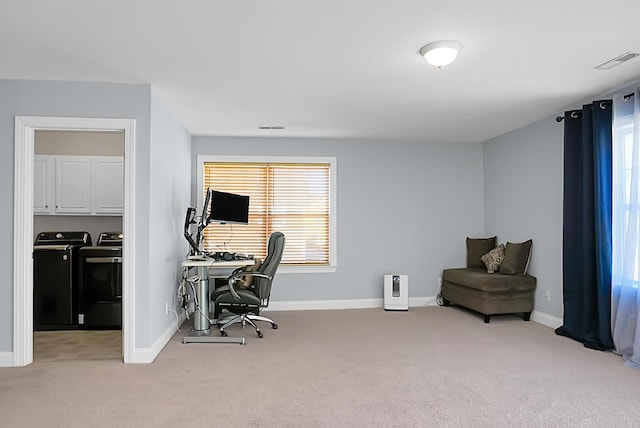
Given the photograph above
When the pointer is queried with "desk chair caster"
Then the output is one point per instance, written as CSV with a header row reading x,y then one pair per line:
x,y
258,332
245,319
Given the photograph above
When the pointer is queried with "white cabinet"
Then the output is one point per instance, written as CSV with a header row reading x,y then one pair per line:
x,y
42,171
108,185
78,185
73,184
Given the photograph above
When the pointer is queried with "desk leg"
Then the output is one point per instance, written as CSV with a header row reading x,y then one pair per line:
x,y
200,317
201,326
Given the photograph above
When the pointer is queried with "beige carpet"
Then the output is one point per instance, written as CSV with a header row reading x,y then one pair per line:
x,y
77,345
427,367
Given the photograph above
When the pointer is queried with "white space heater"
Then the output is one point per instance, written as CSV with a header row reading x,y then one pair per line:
x,y
396,292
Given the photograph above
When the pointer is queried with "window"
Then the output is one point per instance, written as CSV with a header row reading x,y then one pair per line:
x,y
626,199
293,195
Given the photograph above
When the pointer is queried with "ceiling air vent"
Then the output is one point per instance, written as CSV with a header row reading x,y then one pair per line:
x,y
271,127
616,61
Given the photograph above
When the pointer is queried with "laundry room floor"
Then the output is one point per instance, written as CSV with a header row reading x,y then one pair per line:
x,y
77,345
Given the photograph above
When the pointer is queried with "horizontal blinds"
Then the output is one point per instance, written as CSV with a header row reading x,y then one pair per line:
x,y
290,198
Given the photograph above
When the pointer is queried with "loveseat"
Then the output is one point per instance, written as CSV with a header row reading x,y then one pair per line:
x,y
495,280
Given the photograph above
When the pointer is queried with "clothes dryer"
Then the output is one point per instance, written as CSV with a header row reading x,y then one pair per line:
x,y
55,279
101,283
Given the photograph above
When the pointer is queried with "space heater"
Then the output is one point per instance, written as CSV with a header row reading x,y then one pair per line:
x,y
396,292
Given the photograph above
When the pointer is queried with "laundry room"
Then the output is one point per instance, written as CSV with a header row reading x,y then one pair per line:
x,y
77,230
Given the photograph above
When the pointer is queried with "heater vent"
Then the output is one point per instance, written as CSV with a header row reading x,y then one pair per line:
x,y
270,127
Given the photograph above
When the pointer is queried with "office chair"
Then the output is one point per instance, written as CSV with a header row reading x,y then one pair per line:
x,y
247,303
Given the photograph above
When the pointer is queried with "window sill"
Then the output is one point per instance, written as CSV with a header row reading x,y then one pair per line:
x,y
307,269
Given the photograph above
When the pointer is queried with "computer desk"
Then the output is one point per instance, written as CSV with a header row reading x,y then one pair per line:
x,y
201,332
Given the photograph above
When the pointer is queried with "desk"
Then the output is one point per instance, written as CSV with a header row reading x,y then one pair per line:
x,y
201,326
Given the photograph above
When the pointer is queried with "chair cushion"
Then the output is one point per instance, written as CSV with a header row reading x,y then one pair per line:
x,y
246,298
479,279
516,258
476,248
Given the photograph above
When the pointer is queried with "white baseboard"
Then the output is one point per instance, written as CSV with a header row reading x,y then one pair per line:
x,y
310,305
147,355
6,359
414,302
546,319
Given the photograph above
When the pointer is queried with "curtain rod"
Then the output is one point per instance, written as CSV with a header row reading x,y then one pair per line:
x,y
574,114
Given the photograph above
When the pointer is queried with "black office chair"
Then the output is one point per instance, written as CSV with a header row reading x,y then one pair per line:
x,y
247,303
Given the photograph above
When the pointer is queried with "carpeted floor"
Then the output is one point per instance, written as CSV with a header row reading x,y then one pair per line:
x,y
433,366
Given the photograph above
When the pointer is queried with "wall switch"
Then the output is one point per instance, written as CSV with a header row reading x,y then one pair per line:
x,y
547,296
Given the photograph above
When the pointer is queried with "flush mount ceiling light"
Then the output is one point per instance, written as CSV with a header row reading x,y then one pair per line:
x,y
441,53
617,61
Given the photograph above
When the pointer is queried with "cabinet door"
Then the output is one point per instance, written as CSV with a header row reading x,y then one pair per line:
x,y
73,184
42,167
108,185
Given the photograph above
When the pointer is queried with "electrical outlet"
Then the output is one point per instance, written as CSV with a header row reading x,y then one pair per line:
x,y
547,296
439,281
166,308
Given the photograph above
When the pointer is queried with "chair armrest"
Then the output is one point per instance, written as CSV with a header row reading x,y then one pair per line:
x,y
237,275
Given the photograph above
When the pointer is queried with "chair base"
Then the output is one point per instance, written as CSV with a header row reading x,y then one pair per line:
x,y
245,319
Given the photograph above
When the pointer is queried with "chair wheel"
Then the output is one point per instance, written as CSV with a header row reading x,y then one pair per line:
x,y
260,334
274,326
223,333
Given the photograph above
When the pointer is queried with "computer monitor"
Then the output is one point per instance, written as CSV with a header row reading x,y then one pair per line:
x,y
228,208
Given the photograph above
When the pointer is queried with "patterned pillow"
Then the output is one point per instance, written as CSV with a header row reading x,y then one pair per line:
x,y
493,259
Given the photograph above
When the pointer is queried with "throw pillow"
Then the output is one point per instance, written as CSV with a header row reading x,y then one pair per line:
x,y
516,258
476,248
493,259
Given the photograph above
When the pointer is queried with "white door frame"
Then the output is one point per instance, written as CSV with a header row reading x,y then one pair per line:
x,y
25,127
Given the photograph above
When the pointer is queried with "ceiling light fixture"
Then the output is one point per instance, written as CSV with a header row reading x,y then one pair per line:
x,y
441,53
617,61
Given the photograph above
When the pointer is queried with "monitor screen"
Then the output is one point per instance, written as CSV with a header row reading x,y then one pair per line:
x,y
229,208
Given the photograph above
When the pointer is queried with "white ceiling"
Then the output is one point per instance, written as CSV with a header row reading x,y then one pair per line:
x,y
332,68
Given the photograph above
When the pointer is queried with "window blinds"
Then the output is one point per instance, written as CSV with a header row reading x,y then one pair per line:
x,y
290,198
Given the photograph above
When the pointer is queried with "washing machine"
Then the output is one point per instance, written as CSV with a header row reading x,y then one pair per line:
x,y
100,301
56,279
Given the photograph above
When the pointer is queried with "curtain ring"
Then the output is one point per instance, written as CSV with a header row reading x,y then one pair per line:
x,y
603,105
574,115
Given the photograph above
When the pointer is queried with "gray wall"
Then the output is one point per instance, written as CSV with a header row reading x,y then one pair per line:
x,y
401,208
38,98
170,194
523,199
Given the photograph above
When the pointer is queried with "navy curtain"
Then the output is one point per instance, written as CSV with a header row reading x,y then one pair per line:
x,y
587,225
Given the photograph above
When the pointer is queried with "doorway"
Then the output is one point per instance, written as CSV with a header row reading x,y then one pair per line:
x,y
25,129
78,190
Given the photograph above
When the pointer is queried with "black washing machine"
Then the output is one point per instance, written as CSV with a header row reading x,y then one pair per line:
x,y
101,283
56,266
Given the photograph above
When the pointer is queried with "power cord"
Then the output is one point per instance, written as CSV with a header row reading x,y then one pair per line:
x,y
192,281
439,299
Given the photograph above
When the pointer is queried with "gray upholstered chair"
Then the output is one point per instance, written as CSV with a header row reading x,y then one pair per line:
x,y
246,303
